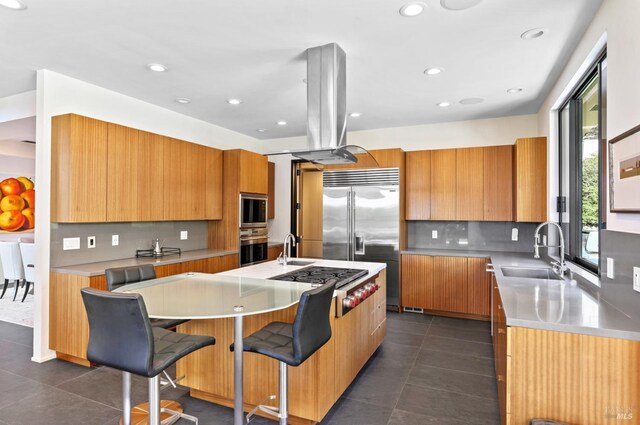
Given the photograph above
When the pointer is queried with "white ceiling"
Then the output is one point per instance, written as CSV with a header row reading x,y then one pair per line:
x,y
254,51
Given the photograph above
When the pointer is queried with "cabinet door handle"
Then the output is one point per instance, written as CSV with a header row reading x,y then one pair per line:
x,y
499,307
500,378
501,331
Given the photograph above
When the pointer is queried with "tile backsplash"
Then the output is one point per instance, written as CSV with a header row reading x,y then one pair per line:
x,y
470,235
132,236
624,248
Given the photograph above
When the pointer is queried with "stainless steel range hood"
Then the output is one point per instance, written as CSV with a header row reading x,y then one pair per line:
x,y
327,109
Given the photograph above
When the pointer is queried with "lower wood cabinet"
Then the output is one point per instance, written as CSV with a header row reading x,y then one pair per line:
x,y
440,284
68,324
566,377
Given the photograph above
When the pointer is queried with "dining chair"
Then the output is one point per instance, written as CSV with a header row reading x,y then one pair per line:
x,y
28,251
11,265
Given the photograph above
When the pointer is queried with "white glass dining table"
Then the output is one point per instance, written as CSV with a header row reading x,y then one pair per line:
x,y
212,296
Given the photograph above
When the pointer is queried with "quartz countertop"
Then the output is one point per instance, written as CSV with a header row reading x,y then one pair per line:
x,y
273,268
97,269
571,305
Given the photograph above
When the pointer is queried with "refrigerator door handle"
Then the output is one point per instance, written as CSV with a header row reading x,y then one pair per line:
x,y
359,245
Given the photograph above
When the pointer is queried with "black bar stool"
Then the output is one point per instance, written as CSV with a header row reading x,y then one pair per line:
x,y
292,344
118,277
121,337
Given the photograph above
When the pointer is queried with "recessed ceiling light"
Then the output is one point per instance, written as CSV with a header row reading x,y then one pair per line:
x,y
157,67
433,70
533,33
183,100
261,130
13,4
281,123
410,10
514,90
355,114
471,101
443,104
459,4
234,101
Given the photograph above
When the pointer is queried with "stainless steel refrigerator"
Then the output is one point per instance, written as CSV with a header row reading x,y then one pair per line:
x,y
361,220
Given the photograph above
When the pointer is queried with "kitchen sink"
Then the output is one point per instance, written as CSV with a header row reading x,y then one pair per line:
x,y
530,273
299,263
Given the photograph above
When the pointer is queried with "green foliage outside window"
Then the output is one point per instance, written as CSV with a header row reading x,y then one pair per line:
x,y
590,193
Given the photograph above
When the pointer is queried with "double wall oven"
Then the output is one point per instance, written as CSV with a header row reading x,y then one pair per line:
x,y
253,229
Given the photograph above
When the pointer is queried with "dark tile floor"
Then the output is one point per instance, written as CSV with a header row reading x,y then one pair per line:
x,y
429,370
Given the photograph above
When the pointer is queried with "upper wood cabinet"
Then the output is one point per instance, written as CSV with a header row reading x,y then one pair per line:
x,y
78,169
443,184
469,184
498,183
253,172
418,188
108,172
530,175
271,191
135,166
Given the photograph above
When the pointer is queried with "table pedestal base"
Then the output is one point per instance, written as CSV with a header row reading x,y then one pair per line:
x,y
140,413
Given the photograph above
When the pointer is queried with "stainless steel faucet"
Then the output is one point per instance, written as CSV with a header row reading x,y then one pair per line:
x,y
558,266
289,240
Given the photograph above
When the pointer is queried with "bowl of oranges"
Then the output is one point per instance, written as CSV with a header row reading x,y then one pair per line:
x,y
17,205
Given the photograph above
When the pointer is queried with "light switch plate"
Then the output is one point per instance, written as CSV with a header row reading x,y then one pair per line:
x,y
434,234
70,243
115,240
610,272
514,234
184,235
91,241
636,279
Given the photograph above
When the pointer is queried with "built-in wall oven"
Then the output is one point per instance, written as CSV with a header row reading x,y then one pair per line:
x,y
253,245
253,210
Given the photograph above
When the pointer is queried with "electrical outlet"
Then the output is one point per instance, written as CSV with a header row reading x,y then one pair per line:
x,y
636,279
115,240
70,243
91,241
514,234
184,235
434,234
610,271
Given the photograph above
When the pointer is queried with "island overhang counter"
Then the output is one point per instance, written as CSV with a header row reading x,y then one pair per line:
x,y
213,302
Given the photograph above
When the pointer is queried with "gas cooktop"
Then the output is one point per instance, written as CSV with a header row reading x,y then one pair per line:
x,y
319,275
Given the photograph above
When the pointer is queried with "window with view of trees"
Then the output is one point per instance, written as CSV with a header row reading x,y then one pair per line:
x,y
582,145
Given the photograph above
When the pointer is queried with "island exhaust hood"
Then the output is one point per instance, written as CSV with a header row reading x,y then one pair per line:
x,y
327,109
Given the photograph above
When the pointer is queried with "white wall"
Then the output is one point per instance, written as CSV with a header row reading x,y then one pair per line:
x,y
616,23
58,94
18,106
487,132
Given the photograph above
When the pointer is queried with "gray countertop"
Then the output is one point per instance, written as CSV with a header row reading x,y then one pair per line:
x,y
573,305
97,269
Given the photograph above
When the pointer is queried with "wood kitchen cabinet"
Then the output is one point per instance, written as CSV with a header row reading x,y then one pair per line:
x,y
458,286
418,188
78,169
469,192
530,179
274,251
417,281
443,184
498,183
253,172
135,168
271,190
450,292
107,172
184,177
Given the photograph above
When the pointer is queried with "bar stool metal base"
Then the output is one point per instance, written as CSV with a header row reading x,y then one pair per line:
x,y
140,413
282,411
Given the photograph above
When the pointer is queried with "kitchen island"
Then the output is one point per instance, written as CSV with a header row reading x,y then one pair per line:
x,y
315,385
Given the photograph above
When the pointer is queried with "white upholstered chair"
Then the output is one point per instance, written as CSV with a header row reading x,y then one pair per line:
x,y
11,265
28,251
